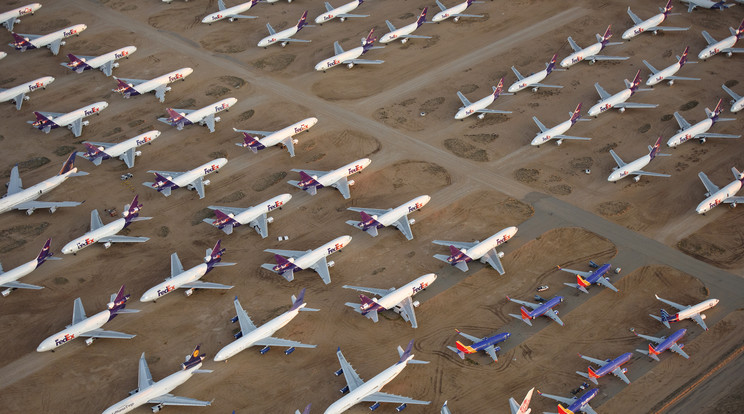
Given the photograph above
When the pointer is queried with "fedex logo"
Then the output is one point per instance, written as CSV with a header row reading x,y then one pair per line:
x,y
504,239
70,32
277,204
605,107
216,17
624,173
577,59
420,287
168,289
222,107
469,111
639,30
445,15
144,140
335,248
25,10
546,137
301,128
714,203
328,16
393,36
415,207
175,77
35,86
333,63
91,111
124,53
64,339
87,242
212,168
356,168
685,138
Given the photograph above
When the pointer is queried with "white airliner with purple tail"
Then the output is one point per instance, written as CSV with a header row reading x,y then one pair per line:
x,y
227,218
463,252
9,279
284,136
373,219
106,62
290,261
314,180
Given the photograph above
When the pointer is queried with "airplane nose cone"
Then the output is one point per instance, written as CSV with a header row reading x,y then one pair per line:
x,y
67,249
460,115
221,356
513,88
613,177
147,297
187,72
312,121
319,66
44,346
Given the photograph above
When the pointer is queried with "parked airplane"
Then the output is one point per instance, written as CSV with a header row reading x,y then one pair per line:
x,y
524,407
360,391
19,198
285,36
557,131
308,259
11,17
107,234
314,180
590,52
18,93
307,408
706,4
189,279
96,152
463,252
469,108
231,13
586,279
9,279
106,63
653,24
634,168
151,392
283,136
700,130
230,217
533,81
52,40
575,403
445,409
251,335
342,12
404,33
716,196
47,121
192,179
619,99
373,219
134,87
454,11
486,344
399,300
90,327
685,312
667,74
538,309
351,56
606,367
664,343
726,45
3,54
204,116
737,102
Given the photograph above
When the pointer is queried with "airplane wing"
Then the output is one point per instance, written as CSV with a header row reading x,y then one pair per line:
x,y
197,284
100,144
160,92
199,186
271,341
144,378
246,324
328,6
459,245
732,200
228,210
463,99
667,29
650,174
617,159
708,38
321,266
651,338
29,205
167,174
516,72
353,380
270,29
410,36
466,15
491,351
573,44
604,281
602,93
564,400
378,292
168,399
337,49
100,333
176,266
618,372
709,186
678,349
54,46
342,185
560,136
287,253
289,144
133,82
370,211
253,132
404,226
550,313
543,85
733,94
263,225
347,15
123,239
209,122
699,320
107,67
289,39
714,135
635,105
95,220
602,57
651,68
599,362
363,61
681,78
576,272
391,398
15,184
19,100
77,126
407,312
441,6
19,285
539,124
128,157
78,312
470,337
311,172
683,124
528,304
491,111
51,115
492,258
636,19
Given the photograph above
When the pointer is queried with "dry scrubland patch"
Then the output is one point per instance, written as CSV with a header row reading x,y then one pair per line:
x,y
28,165
719,243
613,208
17,236
551,183
274,63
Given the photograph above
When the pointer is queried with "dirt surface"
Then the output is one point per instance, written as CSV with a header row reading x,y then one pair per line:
x,y
482,175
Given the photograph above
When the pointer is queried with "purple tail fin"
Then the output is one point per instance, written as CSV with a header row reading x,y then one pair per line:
x,y
252,143
668,7
551,65
299,301
123,86
282,264
307,181
223,219
367,221
422,17
20,41
193,359
369,41
92,150
215,256
498,89
131,210
44,254
162,182
69,165
118,303
576,114
665,316
404,356
470,2
607,35
683,58
454,251
655,149
173,116
369,305
636,81
740,30
301,23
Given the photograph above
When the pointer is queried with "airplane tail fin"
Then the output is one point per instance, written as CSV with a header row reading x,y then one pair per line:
x,y
551,65
252,143
369,41
653,352
575,117
607,35
469,2
368,223
667,8
464,348
422,17
582,282
591,373
223,220
717,111
498,88
404,356
683,58
123,87
525,313
20,42
69,165
118,303
740,30
655,149
562,410
131,210
193,359
737,174
76,64
162,183
524,408
369,306
214,255
636,81
92,151
299,300
665,318
307,181
173,116
45,254
302,22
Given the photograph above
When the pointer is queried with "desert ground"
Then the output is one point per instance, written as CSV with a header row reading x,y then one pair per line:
x,y
482,176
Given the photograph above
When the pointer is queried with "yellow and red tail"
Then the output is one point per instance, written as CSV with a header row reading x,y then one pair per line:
x,y
581,281
652,351
562,410
525,314
591,373
464,348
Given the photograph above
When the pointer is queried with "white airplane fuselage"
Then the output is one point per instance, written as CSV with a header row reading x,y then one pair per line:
x,y
629,168
278,36
287,132
185,179
483,103
661,75
716,48
411,288
395,214
373,385
215,108
309,258
250,338
395,34
580,55
70,117
609,103
155,83
546,136
27,87
124,146
717,198
529,80
690,133
227,13
643,26
18,272
266,207
117,54
173,283
59,34
164,386
477,251
335,12
737,105
340,58
73,331
699,308
8,202
331,177
19,12
92,237
446,14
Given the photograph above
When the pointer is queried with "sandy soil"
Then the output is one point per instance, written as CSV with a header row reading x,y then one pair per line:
x,y
478,172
